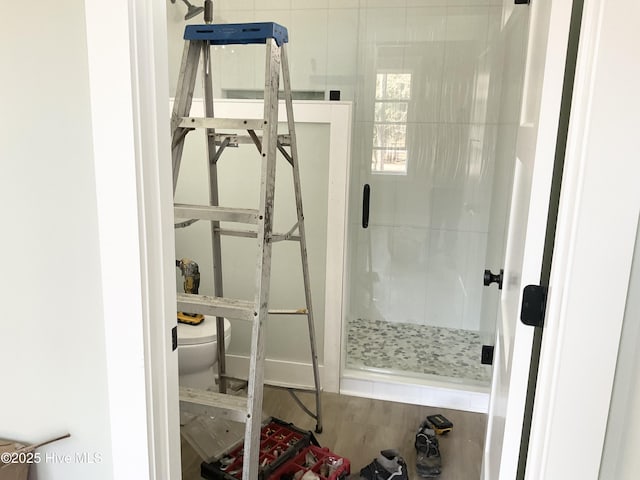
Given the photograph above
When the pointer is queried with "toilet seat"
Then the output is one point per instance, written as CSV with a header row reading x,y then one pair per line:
x,y
199,334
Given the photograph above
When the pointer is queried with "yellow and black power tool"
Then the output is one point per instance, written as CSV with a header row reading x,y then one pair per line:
x,y
440,424
191,274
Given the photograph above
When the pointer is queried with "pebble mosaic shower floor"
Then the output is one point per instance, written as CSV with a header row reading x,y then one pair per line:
x,y
407,347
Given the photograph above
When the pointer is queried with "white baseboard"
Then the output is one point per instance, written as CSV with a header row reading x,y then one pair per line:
x,y
433,393
277,372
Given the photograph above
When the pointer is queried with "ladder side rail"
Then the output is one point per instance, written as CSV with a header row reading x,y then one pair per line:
x,y
214,200
301,230
182,103
263,271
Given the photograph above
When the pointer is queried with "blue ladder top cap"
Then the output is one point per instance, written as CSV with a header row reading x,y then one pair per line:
x,y
237,33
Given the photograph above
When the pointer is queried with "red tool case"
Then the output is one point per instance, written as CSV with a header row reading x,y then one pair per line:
x,y
279,443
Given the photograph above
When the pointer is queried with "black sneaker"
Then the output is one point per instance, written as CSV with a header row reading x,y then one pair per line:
x,y
428,461
388,466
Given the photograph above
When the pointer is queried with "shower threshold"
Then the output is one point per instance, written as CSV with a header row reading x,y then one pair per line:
x,y
428,390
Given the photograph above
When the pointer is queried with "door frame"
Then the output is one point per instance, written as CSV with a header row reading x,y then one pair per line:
x,y
127,63
575,304
599,208
541,102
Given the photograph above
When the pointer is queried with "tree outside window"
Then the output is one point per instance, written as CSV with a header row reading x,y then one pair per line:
x,y
393,93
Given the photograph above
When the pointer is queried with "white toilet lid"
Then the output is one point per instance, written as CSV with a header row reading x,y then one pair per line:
x,y
203,333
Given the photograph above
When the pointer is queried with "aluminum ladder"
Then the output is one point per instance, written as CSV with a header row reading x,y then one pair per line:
x,y
198,41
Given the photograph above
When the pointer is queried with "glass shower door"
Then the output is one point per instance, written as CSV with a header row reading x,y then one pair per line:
x,y
415,270
431,168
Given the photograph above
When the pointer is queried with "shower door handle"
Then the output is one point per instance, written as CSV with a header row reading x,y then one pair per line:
x,y
366,195
490,278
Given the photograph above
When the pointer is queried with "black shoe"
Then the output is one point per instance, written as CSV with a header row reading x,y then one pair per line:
x,y
428,461
388,466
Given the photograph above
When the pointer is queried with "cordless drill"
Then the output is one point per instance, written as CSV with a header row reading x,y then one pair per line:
x,y
191,274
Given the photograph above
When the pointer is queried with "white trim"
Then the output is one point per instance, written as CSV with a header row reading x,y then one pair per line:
x,y
155,209
131,143
109,51
337,230
338,116
276,372
433,393
595,239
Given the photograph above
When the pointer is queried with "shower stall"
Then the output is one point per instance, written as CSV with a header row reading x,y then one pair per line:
x,y
436,110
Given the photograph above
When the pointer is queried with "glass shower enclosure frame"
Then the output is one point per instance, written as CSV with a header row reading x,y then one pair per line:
x,y
432,166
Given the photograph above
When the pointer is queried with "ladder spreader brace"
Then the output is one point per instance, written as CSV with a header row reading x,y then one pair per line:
x,y
198,39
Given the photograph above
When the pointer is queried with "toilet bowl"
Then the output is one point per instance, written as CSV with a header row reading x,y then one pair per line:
x,y
198,353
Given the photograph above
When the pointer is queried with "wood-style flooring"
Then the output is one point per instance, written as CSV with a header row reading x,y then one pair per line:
x,y
358,428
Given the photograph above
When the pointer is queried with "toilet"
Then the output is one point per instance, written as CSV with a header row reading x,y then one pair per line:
x,y
198,353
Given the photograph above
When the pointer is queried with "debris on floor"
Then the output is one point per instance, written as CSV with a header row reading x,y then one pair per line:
x,y
389,464
314,463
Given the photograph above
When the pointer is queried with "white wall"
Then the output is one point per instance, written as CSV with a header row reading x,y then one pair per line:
x,y
622,442
54,372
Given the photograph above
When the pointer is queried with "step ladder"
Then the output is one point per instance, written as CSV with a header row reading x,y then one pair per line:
x,y
199,39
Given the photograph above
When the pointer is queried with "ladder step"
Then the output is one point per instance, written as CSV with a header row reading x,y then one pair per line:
x,y
298,311
211,437
233,123
214,404
237,33
234,139
216,306
221,214
275,237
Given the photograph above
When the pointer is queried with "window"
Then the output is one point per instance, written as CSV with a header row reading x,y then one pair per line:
x,y
393,92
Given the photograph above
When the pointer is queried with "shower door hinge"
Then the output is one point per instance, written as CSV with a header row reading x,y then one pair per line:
x,y
487,355
522,2
534,304
174,338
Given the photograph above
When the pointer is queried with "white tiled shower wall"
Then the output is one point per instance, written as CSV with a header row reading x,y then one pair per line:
x,y
324,36
435,229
